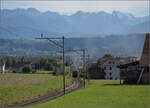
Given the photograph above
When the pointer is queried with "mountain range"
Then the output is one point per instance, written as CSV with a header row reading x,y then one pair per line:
x,y
117,45
30,23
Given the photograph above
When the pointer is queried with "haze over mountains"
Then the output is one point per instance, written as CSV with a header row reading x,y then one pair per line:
x,y
128,45
30,23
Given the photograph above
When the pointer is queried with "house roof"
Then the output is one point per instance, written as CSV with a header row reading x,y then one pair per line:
x,y
128,64
103,59
145,58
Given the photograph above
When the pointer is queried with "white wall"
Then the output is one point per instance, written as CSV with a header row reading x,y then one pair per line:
x,y
2,69
115,71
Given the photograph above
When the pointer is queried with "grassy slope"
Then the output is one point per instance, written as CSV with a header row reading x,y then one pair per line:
x,y
103,94
29,88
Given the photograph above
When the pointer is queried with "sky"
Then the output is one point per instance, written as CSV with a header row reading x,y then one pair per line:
x,y
137,8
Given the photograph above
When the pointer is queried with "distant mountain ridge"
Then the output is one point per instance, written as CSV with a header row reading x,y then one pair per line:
x,y
117,45
28,23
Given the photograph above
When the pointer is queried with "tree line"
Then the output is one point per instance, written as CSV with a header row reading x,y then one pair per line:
x,y
28,65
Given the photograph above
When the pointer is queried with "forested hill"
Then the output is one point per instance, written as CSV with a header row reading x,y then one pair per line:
x,y
127,45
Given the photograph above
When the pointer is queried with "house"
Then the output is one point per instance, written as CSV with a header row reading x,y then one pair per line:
x,y
2,67
138,72
109,65
95,72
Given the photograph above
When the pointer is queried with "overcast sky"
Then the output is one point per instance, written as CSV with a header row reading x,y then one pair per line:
x,y
137,8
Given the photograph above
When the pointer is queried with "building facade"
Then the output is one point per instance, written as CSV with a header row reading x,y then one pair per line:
x,y
95,72
2,67
109,65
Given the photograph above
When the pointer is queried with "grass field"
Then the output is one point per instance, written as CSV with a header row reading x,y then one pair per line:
x,y
103,94
43,72
16,88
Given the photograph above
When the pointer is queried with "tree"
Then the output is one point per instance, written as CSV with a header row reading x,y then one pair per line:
x,y
43,62
9,62
37,65
23,59
14,61
49,67
107,56
75,74
27,69
51,60
1,60
67,63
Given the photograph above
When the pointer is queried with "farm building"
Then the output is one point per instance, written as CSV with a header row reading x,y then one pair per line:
x,y
95,72
139,71
129,72
145,61
125,60
109,64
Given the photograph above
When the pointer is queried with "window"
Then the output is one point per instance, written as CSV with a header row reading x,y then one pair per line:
x,y
110,68
110,73
104,73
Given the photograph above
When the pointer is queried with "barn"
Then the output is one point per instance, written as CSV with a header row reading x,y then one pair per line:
x,y
139,71
145,62
129,72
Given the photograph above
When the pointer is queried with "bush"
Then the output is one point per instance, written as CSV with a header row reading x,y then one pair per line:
x,y
107,56
33,72
14,72
82,75
54,73
27,69
75,74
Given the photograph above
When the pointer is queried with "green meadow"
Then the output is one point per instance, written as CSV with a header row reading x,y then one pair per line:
x,y
103,94
15,88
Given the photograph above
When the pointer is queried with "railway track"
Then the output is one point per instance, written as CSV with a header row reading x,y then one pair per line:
x,y
75,86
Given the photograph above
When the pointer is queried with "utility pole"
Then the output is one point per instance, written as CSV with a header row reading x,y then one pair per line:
x,y
62,46
63,64
84,71
87,76
83,60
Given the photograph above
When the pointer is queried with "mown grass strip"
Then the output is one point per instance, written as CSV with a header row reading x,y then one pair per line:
x,y
103,94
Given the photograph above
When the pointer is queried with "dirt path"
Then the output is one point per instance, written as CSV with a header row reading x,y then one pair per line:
x,y
75,86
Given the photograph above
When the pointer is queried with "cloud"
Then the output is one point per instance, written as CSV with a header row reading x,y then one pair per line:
x,y
138,8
